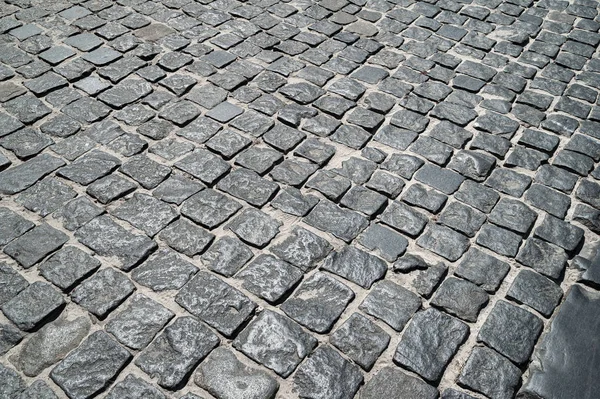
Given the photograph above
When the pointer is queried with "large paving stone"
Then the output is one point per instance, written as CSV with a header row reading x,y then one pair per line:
x,y
557,369
91,367
269,278
13,225
67,267
176,351
429,343
276,342
225,377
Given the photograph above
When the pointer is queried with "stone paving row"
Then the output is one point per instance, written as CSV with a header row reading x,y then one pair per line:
x,y
321,199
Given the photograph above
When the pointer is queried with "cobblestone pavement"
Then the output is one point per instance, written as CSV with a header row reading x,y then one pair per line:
x,y
319,199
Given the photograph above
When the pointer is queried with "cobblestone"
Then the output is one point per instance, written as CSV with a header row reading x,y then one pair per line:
x,y
304,184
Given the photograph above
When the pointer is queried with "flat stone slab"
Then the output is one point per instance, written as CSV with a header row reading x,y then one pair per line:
x,y
558,362
91,367
216,303
225,377
276,342
108,238
176,351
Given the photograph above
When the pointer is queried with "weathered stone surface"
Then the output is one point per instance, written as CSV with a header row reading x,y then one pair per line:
x,y
9,337
12,385
146,213
176,351
444,242
225,377
209,208
90,167
429,343
276,342
90,367
318,302
164,270
390,382
107,238
18,178
512,331
342,378
50,344
355,265
535,291
34,245
138,322
391,303
554,375
482,269
361,340
302,248
103,292
134,388
216,303
38,390
490,373
460,298
344,224
67,267
31,306
13,225
255,227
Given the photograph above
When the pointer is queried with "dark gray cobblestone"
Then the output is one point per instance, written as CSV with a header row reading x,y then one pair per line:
x,y
350,198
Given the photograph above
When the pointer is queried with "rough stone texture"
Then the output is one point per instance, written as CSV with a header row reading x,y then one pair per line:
x,y
361,340
390,382
216,303
108,238
31,306
553,375
356,265
176,351
291,153
225,377
50,344
318,302
391,303
276,342
103,292
138,322
91,366
512,331
490,373
429,343
134,387
342,378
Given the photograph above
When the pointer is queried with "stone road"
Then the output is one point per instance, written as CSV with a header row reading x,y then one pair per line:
x,y
321,199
